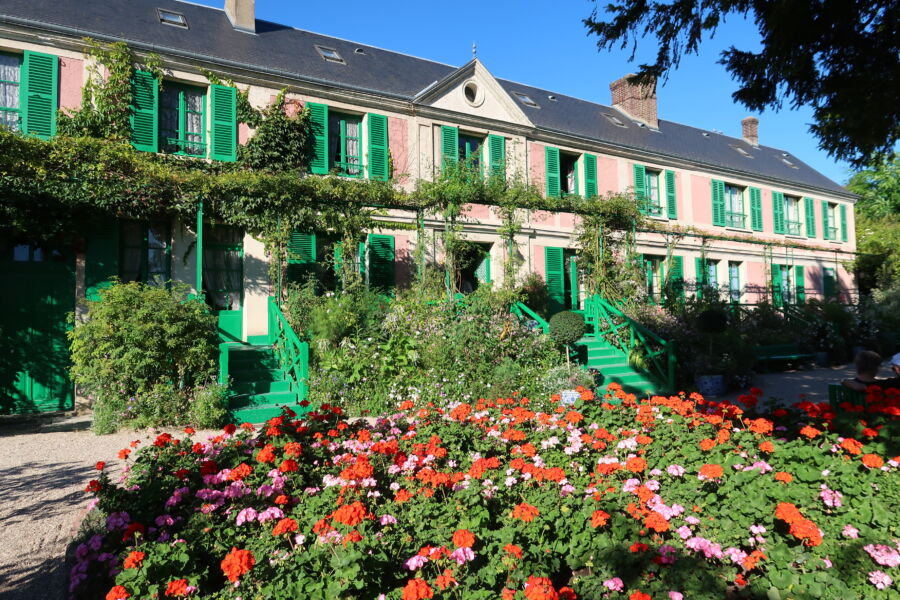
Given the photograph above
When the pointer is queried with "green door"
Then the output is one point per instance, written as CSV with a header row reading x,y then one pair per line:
x,y
34,364
223,278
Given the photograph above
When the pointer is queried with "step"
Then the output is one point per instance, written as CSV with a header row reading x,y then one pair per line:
x,y
241,400
260,387
260,374
261,414
607,355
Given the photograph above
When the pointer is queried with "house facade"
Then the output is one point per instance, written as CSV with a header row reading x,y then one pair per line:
x,y
752,220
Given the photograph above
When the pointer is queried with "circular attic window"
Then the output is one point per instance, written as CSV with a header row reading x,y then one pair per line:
x,y
473,93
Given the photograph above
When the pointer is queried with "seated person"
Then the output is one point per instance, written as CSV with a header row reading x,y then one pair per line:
x,y
893,382
867,365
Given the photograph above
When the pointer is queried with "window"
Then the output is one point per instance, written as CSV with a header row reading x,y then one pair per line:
x,y
653,204
182,120
782,284
526,100
168,17
831,221
792,215
330,54
829,283
10,73
712,269
345,144
469,148
734,281
653,269
568,174
734,206
145,252
223,267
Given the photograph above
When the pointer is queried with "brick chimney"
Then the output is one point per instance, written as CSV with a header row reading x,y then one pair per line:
x,y
242,14
637,101
750,130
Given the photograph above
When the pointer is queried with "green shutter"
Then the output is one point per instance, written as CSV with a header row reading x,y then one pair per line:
x,y
718,203
826,229
554,269
778,211
801,284
828,283
378,147
144,112
40,89
676,277
318,126
843,209
381,261
590,175
449,146
810,208
700,270
301,256
497,155
361,260
640,186
223,123
756,219
671,202
551,169
776,285
101,259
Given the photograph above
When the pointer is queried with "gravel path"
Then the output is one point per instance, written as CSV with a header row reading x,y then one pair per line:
x,y
44,468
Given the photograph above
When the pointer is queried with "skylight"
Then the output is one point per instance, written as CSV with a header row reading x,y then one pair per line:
x,y
742,152
526,100
784,159
330,54
168,17
615,120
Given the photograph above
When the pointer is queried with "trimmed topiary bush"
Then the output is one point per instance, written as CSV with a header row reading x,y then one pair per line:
x,y
566,327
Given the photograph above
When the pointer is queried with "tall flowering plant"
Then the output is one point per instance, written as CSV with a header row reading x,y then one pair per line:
x,y
656,498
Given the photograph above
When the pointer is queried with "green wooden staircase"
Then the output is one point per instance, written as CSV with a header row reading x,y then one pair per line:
x,y
613,366
263,378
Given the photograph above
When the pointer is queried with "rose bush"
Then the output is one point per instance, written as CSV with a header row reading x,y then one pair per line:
x,y
613,497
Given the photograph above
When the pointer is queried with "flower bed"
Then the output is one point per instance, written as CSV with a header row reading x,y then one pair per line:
x,y
663,498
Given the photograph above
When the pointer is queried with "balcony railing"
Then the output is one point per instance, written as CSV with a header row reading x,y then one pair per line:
x,y
186,147
348,168
832,233
652,209
735,220
792,227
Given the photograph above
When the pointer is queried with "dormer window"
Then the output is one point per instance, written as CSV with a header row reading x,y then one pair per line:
x,y
330,54
168,17
614,120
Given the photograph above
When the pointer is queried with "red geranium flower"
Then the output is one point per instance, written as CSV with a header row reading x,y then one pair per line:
x,y
636,464
525,512
134,560
599,518
639,595
540,588
350,514
513,550
286,525
237,563
463,538
117,593
240,471
178,587
417,589
785,477
873,461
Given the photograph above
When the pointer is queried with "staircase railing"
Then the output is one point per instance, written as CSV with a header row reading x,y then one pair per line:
x,y
292,354
627,335
525,313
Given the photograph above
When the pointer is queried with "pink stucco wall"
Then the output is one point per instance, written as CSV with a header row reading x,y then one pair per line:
x,y
403,260
756,280
542,217
536,167
567,220
701,193
477,211
768,217
846,284
398,143
812,279
71,80
537,260
243,133
607,175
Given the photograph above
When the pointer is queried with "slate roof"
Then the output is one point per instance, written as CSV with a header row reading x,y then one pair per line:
x,y
289,52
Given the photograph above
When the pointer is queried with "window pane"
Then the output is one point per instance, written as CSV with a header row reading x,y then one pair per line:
x,y
21,252
169,100
9,94
157,236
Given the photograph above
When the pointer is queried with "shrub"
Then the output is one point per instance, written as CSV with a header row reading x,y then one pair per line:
x,y
649,497
566,327
141,353
536,296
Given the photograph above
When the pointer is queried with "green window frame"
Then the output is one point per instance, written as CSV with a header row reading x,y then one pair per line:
x,y
734,281
652,198
829,283
345,144
145,252
470,150
756,218
734,207
654,271
11,116
792,222
182,120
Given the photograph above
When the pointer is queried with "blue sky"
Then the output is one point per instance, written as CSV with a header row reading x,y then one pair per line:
x,y
545,44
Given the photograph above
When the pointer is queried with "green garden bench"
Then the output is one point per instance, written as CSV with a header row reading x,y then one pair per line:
x,y
838,394
773,352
